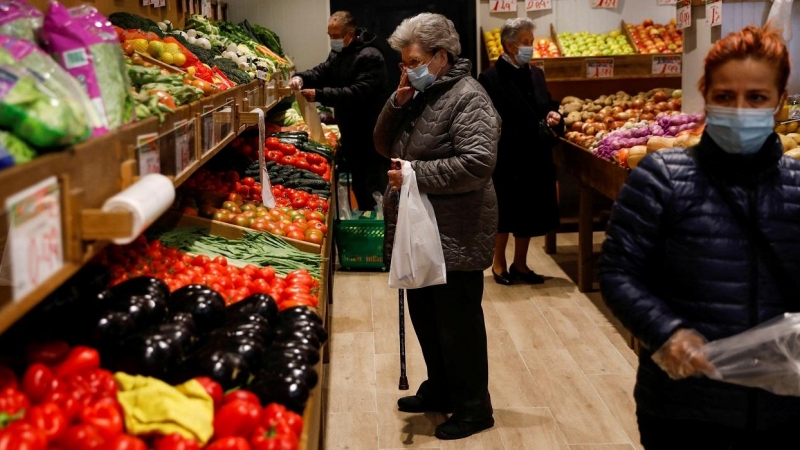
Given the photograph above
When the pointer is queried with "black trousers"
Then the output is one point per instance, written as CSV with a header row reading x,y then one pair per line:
x,y
448,320
669,434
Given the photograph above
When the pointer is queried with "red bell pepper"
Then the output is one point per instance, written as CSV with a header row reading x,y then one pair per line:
x,y
67,400
79,359
294,421
37,382
237,418
13,405
22,436
175,441
49,418
82,437
230,443
106,416
279,437
213,389
48,353
241,394
8,379
96,383
125,442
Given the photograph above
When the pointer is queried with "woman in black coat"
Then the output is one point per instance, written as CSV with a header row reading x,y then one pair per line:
x,y
525,176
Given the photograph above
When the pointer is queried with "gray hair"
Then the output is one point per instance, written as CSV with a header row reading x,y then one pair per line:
x,y
432,32
346,19
510,30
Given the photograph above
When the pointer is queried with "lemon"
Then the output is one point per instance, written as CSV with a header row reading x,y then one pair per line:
x,y
172,48
167,58
140,45
155,49
179,59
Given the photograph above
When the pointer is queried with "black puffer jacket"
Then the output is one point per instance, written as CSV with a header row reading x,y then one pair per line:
x,y
676,258
449,134
354,83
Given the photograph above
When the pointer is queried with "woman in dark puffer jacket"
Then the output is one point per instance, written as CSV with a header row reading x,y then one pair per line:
x,y
678,268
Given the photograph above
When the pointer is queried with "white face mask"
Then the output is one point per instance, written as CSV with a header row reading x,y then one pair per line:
x,y
337,45
740,130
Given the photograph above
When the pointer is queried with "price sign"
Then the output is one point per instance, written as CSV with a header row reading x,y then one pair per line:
x,y
605,4
34,236
146,2
684,14
205,8
666,65
667,2
184,144
160,3
600,68
148,154
498,6
538,5
714,13
538,63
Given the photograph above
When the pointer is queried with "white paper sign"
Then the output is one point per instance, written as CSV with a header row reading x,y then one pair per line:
x,y
148,154
714,13
266,186
538,5
666,65
498,6
667,2
684,14
205,8
600,68
34,237
605,3
184,136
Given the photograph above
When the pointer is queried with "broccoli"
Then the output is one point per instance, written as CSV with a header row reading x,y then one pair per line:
x,y
232,70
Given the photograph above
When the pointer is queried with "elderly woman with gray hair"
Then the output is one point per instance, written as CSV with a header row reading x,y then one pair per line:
x,y
525,177
442,121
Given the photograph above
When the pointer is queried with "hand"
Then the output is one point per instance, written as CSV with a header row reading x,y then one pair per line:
x,y
682,355
309,94
553,118
296,83
405,91
396,176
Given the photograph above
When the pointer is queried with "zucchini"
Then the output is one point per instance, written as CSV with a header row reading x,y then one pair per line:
x,y
316,184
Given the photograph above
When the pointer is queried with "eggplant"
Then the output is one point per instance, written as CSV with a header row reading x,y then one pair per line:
x,y
287,391
295,313
298,336
247,319
206,306
223,333
262,304
147,310
141,285
226,368
184,318
304,355
250,349
150,355
112,328
310,327
294,369
177,332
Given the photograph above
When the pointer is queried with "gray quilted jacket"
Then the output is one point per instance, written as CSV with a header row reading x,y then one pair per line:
x,y
449,133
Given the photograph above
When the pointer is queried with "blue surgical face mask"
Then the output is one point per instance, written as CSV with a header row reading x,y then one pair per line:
x,y
337,45
524,55
740,130
420,78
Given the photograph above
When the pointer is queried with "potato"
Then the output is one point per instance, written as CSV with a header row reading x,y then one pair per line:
x,y
788,143
657,143
571,99
572,107
635,155
572,117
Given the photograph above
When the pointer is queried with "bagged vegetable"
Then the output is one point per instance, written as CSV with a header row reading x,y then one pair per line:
x,y
53,76
13,150
19,19
766,357
34,112
86,45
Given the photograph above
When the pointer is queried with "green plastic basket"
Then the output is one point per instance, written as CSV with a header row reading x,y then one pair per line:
x,y
360,243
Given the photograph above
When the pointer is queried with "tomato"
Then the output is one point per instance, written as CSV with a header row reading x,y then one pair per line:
x,y
221,260
314,237
272,143
242,220
299,202
288,149
319,226
235,198
298,235
244,191
248,181
297,289
222,215
302,164
250,270
317,169
260,286
200,261
237,418
274,155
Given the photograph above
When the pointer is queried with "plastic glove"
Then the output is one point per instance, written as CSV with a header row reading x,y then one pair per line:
x,y
682,355
296,83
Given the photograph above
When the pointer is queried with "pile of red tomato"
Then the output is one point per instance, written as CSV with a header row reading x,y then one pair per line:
x,y
177,269
289,155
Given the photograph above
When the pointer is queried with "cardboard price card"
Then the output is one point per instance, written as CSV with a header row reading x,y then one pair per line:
x,y
538,5
605,3
499,6
148,154
683,14
667,65
34,236
184,144
600,68
714,13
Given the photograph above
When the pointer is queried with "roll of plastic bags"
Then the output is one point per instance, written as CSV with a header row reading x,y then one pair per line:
x,y
766,357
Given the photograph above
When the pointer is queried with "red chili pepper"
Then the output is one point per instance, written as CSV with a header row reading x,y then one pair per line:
x,y
175,441
82,437
49,418
80,359
230,443
213,388
125,442
241,394
22,436
48,353
8,379
237,418
106,416
37,382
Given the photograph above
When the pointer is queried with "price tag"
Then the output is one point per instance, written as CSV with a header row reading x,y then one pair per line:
x,y
667,2
161,3
148,154
600,68
261,70
684,14
538,63
605,4
497,6
184,144
714,13
205,8
667,65
146,2
538,5
34,236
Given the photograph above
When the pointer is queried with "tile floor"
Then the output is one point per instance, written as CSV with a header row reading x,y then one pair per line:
x,y
561,376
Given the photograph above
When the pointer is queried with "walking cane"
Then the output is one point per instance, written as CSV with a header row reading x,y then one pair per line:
x,y
403,384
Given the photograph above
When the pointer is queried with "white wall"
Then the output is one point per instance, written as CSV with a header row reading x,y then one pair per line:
x,y
301,24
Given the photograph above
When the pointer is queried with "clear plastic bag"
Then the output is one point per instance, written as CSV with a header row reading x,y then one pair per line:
x,y
766,357
780,16
343,203
417,256
378,205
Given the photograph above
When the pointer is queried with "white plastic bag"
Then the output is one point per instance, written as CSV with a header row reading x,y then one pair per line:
x,y
417,257
780,16
766,357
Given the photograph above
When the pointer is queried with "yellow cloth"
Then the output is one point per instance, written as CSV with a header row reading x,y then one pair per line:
x,y
153,406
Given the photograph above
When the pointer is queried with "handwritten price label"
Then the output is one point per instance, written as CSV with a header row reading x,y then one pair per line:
x,y
605,4
667,2
684,14
498,6
600,68
205,8
667,65
184,143
34,236
538,5
148,154
714,13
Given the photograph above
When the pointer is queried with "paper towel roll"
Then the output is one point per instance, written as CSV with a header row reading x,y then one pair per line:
x,y
147,200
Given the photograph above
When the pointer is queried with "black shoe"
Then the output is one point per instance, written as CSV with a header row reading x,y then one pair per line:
x,y
416,404
459,429
530,277
504,278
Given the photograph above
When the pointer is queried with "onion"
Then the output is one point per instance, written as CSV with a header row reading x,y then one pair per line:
x,y
660,96
192,33
638,103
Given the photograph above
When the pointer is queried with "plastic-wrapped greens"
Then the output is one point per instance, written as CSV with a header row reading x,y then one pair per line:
x,y
19,19
13,150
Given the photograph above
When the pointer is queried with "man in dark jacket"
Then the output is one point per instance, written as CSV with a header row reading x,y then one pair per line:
x,y
353,81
